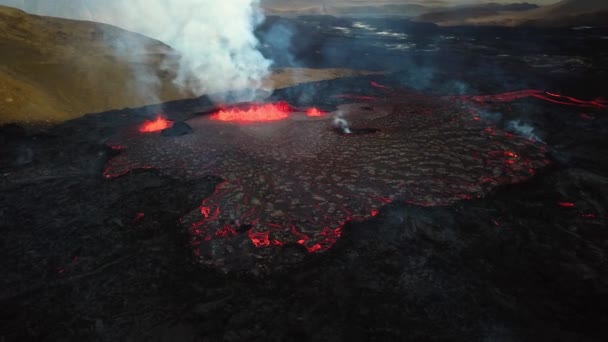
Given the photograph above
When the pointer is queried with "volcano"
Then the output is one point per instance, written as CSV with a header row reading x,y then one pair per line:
x,y
290,179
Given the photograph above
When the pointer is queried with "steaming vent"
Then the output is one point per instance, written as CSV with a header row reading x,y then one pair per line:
x,y
342,126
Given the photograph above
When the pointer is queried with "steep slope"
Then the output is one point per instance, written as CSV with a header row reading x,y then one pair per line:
x,y
54,69
570,13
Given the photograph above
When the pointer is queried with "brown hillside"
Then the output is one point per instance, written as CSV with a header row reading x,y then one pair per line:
x,y
54,69
563,13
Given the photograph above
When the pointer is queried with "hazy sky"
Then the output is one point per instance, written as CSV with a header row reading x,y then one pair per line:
x,y
69,7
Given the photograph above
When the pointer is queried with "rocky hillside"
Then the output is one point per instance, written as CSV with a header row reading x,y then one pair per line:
x,y
53,69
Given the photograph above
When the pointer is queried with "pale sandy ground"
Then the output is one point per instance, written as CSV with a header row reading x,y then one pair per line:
x,y
54,69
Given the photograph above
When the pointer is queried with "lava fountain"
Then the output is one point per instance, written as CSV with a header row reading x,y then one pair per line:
x,y
255,113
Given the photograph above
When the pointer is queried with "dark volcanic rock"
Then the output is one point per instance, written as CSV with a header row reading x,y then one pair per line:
x,y
297,181
178,129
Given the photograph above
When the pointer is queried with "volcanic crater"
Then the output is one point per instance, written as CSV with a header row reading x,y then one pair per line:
x,y
289,178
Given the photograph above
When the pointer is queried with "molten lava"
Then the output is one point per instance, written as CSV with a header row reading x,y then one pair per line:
x,y
157,125
314,112
539,94
282,186
255,113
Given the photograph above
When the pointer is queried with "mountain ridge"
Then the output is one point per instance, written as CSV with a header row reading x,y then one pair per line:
x,y
561,14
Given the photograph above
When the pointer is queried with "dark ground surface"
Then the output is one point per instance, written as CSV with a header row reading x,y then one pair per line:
x,y
80,263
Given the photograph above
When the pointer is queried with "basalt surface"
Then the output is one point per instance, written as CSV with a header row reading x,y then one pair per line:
x,y
298,181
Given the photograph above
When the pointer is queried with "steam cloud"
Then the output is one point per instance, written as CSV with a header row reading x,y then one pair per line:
x,y
341,124
215,39
523,129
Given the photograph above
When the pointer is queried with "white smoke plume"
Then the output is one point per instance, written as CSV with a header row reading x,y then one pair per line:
x,y
215,38
523,129
341,124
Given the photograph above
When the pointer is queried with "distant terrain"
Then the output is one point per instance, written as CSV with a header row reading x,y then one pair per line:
x,y
54,69
393,8
460,14
561,14
454,13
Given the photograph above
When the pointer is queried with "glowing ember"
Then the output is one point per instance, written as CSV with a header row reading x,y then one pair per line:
x,y
566,204
255,113
157,125
314,112
259,239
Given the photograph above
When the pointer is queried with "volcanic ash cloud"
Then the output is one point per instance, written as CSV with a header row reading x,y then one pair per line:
x,y
215,38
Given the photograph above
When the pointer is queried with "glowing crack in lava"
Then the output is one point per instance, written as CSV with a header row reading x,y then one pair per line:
x,y
539,94
255,113
156,125
296,182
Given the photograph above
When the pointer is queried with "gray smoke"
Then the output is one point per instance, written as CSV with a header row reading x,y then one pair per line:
x,y
341,124
521,128
214,38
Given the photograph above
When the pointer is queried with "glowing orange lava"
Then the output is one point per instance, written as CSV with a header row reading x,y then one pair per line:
x,y
255,113
542,95
157,125
314,112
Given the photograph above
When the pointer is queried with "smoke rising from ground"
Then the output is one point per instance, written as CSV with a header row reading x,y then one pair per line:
x,y
215,39
524,129
341,124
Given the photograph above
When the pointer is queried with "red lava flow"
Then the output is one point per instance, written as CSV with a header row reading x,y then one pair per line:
x,y
300,182
539,94
156,125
